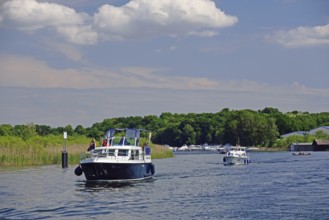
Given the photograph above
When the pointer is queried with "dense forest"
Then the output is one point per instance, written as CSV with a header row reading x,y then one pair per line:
x,y
244,127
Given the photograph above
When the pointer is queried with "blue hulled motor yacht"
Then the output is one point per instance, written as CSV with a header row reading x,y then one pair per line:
x,y
120,158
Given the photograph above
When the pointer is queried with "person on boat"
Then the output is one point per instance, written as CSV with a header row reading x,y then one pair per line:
x,y
104,143
92,145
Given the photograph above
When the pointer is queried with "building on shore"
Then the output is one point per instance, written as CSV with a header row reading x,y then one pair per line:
x,y
316,145
320,145
301,147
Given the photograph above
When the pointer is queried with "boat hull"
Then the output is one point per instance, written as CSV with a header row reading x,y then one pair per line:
x,y
229,160
117,171
301,154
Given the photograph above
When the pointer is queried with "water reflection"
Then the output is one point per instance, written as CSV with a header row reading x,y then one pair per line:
x,y
96,186
105,184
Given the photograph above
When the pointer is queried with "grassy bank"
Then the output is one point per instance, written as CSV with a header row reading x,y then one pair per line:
x,y
15,152
272,149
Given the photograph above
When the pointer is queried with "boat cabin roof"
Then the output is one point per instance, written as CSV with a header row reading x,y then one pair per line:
x,y
238,148
128,132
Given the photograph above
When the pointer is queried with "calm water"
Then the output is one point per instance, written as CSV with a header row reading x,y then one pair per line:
x,y
189,186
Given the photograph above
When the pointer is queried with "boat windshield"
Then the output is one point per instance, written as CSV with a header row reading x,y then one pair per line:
x,y
115,141
119,141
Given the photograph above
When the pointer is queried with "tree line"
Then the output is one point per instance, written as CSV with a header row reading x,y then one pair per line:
x,y
244,127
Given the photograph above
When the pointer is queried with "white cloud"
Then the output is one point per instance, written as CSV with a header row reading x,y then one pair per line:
x,y
33,15
50,95
204,33
70,51
136,19
144,18
30,15
78,34
31,73
302,36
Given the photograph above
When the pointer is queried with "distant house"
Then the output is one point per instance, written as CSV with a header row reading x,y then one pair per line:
x,y
324,129
298,133
320,145
301,147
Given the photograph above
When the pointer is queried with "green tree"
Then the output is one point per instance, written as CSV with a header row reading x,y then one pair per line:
x,y
43,130
187,134
25,131
69,129
6,130
80,130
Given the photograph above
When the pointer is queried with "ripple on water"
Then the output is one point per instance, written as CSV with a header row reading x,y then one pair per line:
x,y
274,186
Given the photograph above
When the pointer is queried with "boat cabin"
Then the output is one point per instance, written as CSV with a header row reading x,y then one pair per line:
x,y
121,144
117,153
234,151
131,137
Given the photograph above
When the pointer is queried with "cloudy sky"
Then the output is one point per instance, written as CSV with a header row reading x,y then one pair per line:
x,y
78,62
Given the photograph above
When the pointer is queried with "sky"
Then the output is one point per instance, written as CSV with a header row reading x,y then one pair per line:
x,y
79,62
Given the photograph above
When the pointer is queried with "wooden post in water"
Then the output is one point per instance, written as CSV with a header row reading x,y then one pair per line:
x,y
64,153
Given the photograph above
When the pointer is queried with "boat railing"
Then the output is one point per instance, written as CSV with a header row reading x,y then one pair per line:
x,y
119,155
102,154
147,157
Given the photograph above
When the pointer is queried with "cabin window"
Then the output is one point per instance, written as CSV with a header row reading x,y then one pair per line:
x,y
111,152
97,151
134,155
123,153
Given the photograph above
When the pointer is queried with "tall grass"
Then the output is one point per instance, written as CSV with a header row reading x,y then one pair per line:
x,y
38,150
159,152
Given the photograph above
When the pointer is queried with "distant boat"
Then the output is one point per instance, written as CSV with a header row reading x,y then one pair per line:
x,y
252,149
301,153
195,148
236,155
120,158
222,150
183,148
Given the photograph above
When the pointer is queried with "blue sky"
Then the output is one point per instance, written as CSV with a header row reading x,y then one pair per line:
x,y
78,62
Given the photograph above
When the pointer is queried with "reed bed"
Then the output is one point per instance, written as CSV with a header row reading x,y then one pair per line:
x,y
38,150
273,149
160,151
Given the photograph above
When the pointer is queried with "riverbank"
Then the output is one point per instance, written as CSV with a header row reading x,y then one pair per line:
x,y
15,152
271,149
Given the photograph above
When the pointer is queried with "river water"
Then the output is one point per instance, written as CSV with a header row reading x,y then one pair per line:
x,y
188,186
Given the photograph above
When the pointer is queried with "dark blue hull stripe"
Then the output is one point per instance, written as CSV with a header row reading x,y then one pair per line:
x,y
115,171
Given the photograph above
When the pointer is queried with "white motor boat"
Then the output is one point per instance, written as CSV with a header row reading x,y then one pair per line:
x,y
119,158
236,155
